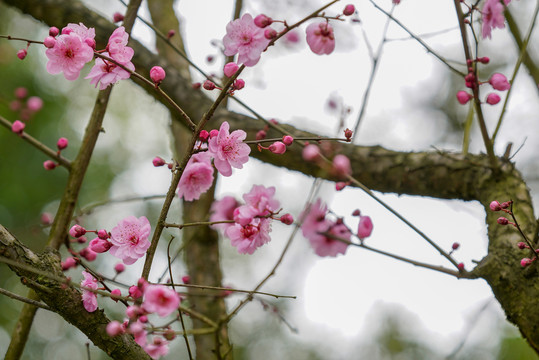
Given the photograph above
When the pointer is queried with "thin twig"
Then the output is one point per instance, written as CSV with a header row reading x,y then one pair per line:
x,y
38,304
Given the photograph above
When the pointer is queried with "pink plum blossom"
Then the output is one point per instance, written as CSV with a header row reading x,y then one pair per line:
x,y
106,73
315,223
228,149
463,97
492,17
250,237
493,99
243,37
261,198
115,328
17,127
89,299
341,165
157,74
197,177
223,210
320,38
310,152
230,69
69,54
158,348
117,46
130,239
160,299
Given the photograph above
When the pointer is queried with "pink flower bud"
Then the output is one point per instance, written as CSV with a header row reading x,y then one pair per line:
x,y
17,127
186,279
483,60
204,135
170,34
288,140
356,212
455,246
495,206
214,133
502,221
81,239
341,165
260,135
340,185
21,93
208,85
34,103
68,263
21,54
262,21
493,99
99,245
230,69
349,10
117,17
522,245
169,334
46,218
114,328
525,262
270,33
365,227
62,143
115,294
49,165
277,148
348,134
135,292
49,42
239,84
287,219
463,97
119,268
143,319
157,74
310,152
53,31
88,254
157,161
196,85
499,82
506,204
66,31
133,311
77,231
460,266
103,234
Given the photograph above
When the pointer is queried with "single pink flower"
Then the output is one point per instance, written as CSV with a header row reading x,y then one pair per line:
x,y
160,299
250,237
492,17
69,54
17,127
106,73
139,332
243,37
223,210
117,46
365,227
158,348
230,69
228,149
315,223
197,177
130,239
157,74
89,298
261,198
320,38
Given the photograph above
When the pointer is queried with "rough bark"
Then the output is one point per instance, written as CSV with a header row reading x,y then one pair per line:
x,y
64,300
434,174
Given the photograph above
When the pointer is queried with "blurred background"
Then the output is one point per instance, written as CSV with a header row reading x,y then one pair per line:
x,y
356,306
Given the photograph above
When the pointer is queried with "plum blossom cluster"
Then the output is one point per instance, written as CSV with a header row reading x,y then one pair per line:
x,y
502,220
127,241
248,225
330,237
156,299
497,81
225,148
71,49
24,106
249,37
